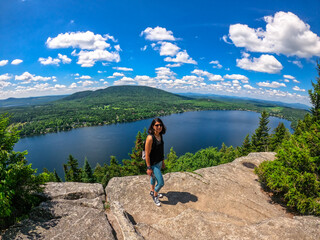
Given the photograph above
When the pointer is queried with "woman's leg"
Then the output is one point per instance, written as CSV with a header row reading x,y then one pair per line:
x,y
158,176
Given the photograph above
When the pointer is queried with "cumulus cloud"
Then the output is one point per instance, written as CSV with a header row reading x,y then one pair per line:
x,y
5,77
85,77
49,61
247,86
211,77
3,62
168,49
64,58
181,57
285,34
158,34
93,47
273,84
123,68
28,77
296,88
216,64
298,63
125,81
145,80
16,61
240,77
89,58
265,63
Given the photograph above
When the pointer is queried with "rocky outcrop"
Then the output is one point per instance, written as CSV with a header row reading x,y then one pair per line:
x,y
71,211
222,202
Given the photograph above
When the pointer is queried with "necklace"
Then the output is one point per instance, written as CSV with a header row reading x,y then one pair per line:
x,y
158,137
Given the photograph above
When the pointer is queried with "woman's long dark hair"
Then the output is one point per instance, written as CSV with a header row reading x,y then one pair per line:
x,y
151,130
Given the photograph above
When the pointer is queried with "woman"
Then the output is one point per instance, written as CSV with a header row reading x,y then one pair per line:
x,y
154,157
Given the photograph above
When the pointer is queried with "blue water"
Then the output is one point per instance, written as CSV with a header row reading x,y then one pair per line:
x,y
186,132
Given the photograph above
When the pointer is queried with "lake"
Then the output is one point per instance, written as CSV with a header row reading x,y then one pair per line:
x,y
186,132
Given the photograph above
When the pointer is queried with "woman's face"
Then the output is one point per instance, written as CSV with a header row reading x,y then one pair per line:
x,y
157,127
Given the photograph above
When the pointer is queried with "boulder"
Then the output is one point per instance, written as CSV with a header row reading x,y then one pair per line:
x,y
222,202
71,211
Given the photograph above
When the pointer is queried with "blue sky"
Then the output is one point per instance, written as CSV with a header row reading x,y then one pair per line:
x,y
257,49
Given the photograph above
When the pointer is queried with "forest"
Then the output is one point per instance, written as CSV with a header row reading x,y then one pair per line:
x,y
293,178
118,104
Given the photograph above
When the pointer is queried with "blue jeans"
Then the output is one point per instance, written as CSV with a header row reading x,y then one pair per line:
x,y
157,175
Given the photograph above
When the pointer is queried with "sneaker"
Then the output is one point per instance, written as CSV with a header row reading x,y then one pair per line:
x,y
159,194
156,201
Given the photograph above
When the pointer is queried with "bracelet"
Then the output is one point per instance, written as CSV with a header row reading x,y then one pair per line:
x,y
149,168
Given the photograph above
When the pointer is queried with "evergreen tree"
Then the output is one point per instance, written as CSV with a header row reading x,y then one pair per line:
x,y
136,155
315,95
223,148
171,160
260,139
281,133
87,175
56,176
113,170
245,149
18,181
71,170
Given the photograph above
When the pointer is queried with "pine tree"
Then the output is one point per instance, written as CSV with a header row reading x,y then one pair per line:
x,y
136,155
171,160
56,176
71,170
260,139
223,148
315,95
245,149
87,175
281,133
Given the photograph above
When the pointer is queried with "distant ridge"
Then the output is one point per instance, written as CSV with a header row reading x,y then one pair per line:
x,y
30,101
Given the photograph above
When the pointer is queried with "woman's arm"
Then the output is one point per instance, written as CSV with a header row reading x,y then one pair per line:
x,y
148,151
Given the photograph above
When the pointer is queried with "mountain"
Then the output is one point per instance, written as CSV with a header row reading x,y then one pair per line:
x,y
21,102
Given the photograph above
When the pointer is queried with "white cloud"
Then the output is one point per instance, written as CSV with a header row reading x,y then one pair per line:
x,y
289,77
298,63
296,81
87,83
174,65
181,57
16,61
265,63
83,40
89,58
85,77
125,81
285,34
247,86
49,61
145,80
58,86
286,80
216,64
5,77
168,49
296,88
157,34
3,62
117,74
86,41
64,58
211,77
123,68
240,77
274,84
28,77
4,84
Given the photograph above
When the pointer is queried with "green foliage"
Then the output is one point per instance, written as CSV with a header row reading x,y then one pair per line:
x,y
295,173
315,95
281,133
71,171
246,147
18,181
87,174
260,139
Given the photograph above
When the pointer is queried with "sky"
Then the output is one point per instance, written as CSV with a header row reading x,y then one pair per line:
x,y
256,49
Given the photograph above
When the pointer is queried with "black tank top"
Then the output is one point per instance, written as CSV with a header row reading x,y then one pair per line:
x,y
157,151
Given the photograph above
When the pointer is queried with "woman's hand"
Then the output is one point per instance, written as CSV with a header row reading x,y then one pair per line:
x,y
149,172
